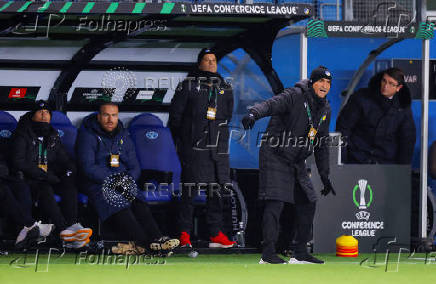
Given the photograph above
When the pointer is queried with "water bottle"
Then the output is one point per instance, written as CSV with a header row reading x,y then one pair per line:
x,y
240,235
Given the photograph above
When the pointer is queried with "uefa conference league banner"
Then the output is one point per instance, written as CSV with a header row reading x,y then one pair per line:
x,y
246,9
114,8
319,28
372,204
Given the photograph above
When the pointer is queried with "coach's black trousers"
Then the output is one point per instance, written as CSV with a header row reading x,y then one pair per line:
x,y
304,214
62,214
214,207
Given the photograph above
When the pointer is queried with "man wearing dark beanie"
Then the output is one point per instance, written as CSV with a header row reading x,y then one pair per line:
x,y
200,112
299,125
40,158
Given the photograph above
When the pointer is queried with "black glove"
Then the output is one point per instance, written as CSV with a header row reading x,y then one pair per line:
x,y
248,121
52,179
328,187
69,174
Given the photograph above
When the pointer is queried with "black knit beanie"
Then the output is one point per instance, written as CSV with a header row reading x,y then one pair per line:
x,y
319,73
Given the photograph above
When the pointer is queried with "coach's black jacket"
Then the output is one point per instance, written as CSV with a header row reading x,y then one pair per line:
x,y
202,144
283,163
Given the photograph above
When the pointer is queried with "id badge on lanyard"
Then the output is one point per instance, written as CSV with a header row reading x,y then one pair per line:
x,y
114,161
211,111
312,134
312,131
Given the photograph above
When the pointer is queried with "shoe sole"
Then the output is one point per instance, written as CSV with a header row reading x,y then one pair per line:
x,y
185,246
116,250
168,245
78,236
218,245
125,249
72,246
261,261
295,261
52,227
30,240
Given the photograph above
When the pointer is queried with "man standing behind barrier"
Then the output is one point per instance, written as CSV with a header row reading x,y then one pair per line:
x,y
201,110
377,122
299,124
107,160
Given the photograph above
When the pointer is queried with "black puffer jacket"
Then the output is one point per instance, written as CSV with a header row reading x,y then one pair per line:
x,y
376,129
202,144
285,145
25,148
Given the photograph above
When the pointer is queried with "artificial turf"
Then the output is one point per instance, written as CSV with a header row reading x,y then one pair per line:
x,y
221,269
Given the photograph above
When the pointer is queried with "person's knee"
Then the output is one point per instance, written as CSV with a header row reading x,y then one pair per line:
x,y
44,189
273,206
305,213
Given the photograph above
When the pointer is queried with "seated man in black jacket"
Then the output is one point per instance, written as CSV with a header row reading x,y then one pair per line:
x,y
377,122
42,160
16,205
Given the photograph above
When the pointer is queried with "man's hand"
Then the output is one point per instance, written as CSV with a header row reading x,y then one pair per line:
x,y
248,121
328,187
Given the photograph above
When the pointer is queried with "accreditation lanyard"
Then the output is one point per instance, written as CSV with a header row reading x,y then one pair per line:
x,y
42,156
110,148
114,159
212,108
313,131
213,93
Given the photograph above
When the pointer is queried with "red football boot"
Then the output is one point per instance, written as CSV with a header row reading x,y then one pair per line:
x,y
185,240
221,241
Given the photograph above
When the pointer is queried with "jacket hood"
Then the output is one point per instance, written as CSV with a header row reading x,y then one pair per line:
x,y
91,124
404,95
304,85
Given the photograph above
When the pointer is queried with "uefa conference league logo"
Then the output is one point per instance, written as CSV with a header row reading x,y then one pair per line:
x,y
363,186
363,197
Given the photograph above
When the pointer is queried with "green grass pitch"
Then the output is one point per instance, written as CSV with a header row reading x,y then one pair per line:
x,y
221,269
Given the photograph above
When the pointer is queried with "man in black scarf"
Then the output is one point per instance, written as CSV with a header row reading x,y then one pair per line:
x,y
201,110
299,125
40,158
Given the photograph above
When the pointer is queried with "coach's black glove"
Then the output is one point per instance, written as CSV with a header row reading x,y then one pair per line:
x,y
328,187
248,121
